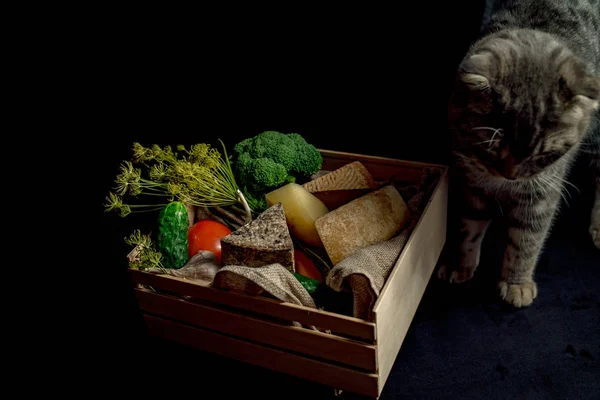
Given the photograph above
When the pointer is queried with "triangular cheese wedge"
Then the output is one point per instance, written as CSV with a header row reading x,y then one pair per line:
x,y
266,240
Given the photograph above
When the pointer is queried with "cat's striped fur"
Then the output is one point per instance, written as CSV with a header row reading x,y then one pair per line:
x,y
526,99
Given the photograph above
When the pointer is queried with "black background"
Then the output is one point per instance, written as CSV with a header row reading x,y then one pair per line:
x,y
371,82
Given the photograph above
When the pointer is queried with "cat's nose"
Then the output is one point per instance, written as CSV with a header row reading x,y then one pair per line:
x,y
511,168
511,173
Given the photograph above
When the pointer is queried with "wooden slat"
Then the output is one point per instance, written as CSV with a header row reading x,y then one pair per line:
x,y
338,377
377,159
337,323
404,288
297,339
381,168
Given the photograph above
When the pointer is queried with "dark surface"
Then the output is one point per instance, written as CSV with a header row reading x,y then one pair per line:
x,y
375,89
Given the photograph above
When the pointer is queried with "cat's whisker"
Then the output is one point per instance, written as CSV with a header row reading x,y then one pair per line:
x,y
497,190
559,132
532,187
493,139
500,206
569,183
555,185
491,142
543,185
555,181
539,187
548,183
512,189
535,197
487,128
497,132
565,199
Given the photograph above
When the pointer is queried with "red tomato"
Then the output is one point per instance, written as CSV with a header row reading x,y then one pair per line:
x,y
305,266
206,235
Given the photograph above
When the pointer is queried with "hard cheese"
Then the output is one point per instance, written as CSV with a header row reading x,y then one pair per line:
x,y
265,240
342,185
301,210
372,218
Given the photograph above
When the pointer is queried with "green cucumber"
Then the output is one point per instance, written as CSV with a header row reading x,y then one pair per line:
x,y
307,283
173,235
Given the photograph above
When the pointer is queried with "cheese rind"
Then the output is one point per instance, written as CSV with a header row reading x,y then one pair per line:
x,y
266,240
342,185
369,219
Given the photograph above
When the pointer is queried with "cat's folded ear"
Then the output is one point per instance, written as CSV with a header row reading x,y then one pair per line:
x,y
476,71
576,81
474,83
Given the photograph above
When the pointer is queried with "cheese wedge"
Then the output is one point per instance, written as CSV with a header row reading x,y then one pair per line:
x,y
342,185
369,219
265,240
301,210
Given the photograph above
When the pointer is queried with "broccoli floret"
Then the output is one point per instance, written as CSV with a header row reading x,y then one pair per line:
x,y
242,146
242,167
266,174
308,159
272,145
259,174
271,159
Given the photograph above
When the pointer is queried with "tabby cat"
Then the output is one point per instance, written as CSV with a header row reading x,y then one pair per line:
x,y
524,107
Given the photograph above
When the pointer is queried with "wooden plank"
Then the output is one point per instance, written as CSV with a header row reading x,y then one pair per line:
x,y
337,323
404,288
381,168
338,377
377,159
297,339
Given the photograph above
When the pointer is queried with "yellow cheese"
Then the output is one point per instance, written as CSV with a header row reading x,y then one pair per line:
x,y
369,219
301,210
342,185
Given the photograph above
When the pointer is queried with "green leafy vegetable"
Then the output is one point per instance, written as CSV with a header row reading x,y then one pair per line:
x,y
270,160
307,283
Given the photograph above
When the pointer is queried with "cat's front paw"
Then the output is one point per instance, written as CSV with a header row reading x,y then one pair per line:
x,y
457,274
518,294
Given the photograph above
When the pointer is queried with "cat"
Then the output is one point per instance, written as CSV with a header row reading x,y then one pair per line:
x,y
524,108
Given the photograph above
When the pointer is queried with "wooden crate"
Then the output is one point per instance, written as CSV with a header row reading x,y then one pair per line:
x,y
357,355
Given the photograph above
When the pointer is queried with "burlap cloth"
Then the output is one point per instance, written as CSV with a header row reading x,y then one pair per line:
x,y
272,280
201,267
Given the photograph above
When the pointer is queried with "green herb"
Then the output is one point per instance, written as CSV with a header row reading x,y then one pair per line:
x,y
143,256
198,176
